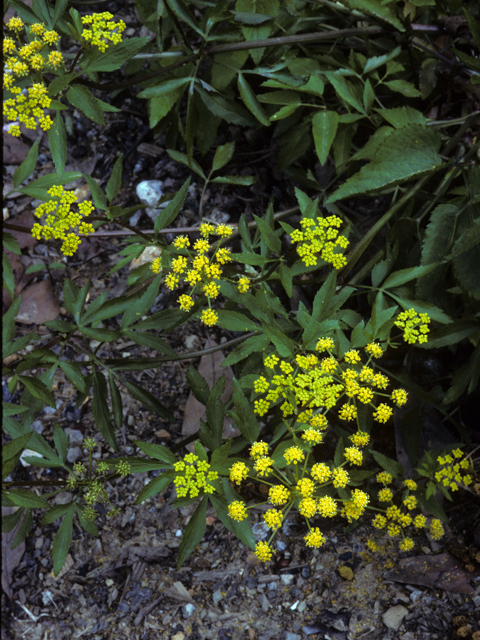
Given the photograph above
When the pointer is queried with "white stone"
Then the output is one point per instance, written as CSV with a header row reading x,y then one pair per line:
x,y
393,618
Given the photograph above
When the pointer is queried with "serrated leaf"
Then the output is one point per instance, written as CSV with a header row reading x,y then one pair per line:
x,y
98,196
74,373
193,532
269,236
113,58
246,419
164,88
62,541
115,181
405,88
170,212
57,139
223,155
391,466
244,181
25,498
11,453
27,167
406,153
62,442
398,278
235,321
400,117
157,451
148,400
250,101
100,410
38,389
155,486
324,129
83,99
244,349
377,9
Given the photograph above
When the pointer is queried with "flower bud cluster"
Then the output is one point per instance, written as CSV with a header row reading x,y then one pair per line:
x,y
315,383
60,219
395,520
193,476
453,471
103,30
300,485
415,326
28,54
199,270
319,238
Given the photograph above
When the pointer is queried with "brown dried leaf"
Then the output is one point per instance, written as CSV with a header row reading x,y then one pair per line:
x,y
10,557
178,592
69,562
39,304
441,571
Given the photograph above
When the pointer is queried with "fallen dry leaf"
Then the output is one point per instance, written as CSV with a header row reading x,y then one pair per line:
x,y
39,304
10,557
210,368
441,571
69,562
178,592
14,150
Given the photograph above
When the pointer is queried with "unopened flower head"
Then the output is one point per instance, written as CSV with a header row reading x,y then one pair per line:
x,y
415,326
320,238
193,476
103,30
60,218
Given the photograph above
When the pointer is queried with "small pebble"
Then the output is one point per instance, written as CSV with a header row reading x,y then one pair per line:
x,y
393,618
260,531
287,579
188,610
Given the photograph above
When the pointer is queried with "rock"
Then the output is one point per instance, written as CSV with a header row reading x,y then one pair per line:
x,y
74,453
394,616
287,579
217,596
188,610
260,531
149,193
76,436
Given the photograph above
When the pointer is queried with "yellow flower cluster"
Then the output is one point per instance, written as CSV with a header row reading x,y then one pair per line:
x,y
60,219
298,486
415,326
395,521
453,470
319,384
199,270
28,59
193,476
103,30
320,238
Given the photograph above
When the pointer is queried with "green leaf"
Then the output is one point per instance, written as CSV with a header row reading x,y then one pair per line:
x,y
223,155
38,188
61,326
474,26
8,276
283,344
27,167
155,486
148,400
225,109
467,260
452,333
244,349
25,498
57,139
157,451
406,153
398,278
235,321
391,466
62,442
114,56
102,335
11,453
400,117
83,99
38,389
346,90
74,373
100,410
55,513
182,13
377,9
250,101
193,532
324,129
216,412
24,529
115,181
178,156
250,258
9,522
164,88
405,88
244,181
269,236
246,419
152,341
99,198
12,409
170,212
62,541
